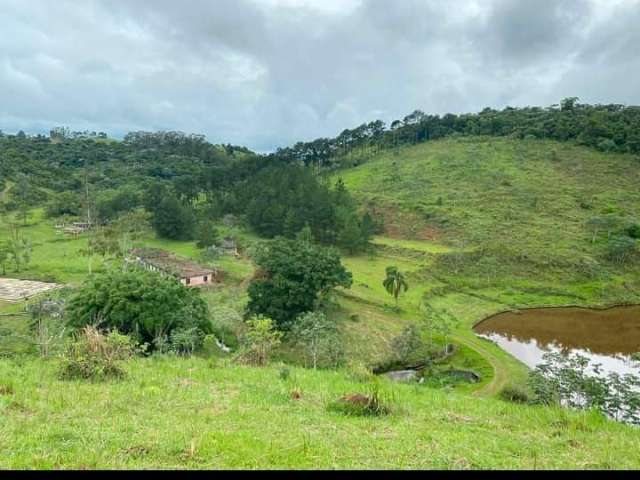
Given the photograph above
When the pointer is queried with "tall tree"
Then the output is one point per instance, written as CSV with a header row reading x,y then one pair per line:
x,y
292,278
173,220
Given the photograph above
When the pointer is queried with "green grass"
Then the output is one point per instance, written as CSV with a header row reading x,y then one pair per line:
x,y
54,257
186,413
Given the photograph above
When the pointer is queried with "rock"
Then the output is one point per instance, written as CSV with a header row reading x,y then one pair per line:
x,y
402,376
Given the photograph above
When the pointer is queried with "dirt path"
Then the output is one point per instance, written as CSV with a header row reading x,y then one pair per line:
x,y
500,373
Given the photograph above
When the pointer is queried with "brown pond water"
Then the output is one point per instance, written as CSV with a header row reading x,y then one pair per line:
x,y
607,337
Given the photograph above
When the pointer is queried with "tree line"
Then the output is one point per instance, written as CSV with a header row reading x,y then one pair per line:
x,y
609,128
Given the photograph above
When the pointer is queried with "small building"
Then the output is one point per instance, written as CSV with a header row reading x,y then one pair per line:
x,y
82,225
75,229
229,247
186,271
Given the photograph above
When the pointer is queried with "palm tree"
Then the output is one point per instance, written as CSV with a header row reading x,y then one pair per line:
x,y
395,283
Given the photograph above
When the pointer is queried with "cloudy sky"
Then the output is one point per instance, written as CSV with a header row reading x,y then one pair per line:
x,y
266,73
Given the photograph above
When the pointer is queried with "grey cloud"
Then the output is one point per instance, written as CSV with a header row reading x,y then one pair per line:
x,y
523,31
268,74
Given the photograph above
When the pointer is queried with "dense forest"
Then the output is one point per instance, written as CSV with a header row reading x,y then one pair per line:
x,y
183,180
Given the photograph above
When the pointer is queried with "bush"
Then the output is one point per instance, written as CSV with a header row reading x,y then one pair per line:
x,y
6,388
633,231
359,372
142,304
515,394
567,380
407,344
211,347
620,249
284,373
96,356
185,341
259,341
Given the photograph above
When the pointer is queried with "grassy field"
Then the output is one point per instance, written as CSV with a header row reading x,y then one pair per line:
x,y
194,413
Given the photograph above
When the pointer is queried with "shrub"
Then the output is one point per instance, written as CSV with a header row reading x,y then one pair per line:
x,y
566,380
142,304
405,345
185,341
211,346
620,249
515,394
96,356
359,372
633,231
259,341
284,373
6,388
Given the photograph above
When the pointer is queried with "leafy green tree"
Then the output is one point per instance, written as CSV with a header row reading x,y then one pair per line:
x,y
318,335
20,248
305,235
142,304
395,283
64,203
350,236
111,204
5,255
173,220
292,278
369,227
206,234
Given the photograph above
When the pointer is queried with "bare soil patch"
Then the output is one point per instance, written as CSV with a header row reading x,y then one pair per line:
x,y
13,290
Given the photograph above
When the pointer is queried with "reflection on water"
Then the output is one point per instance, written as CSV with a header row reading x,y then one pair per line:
x,y
607,337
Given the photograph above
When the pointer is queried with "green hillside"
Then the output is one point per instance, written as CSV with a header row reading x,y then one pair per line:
x,y
522,215
478,225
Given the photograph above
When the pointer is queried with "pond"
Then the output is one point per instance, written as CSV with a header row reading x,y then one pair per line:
x,y
608,337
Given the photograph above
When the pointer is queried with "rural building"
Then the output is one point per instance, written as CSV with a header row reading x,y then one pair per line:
x,y
75,229
188,272
229,246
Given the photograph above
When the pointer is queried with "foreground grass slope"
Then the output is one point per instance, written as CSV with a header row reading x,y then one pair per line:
x,y
193,413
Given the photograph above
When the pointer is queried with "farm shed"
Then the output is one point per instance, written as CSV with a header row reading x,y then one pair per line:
x,y
188,272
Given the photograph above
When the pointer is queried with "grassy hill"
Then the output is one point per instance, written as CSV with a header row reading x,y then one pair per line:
x,y
194,413
515,212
